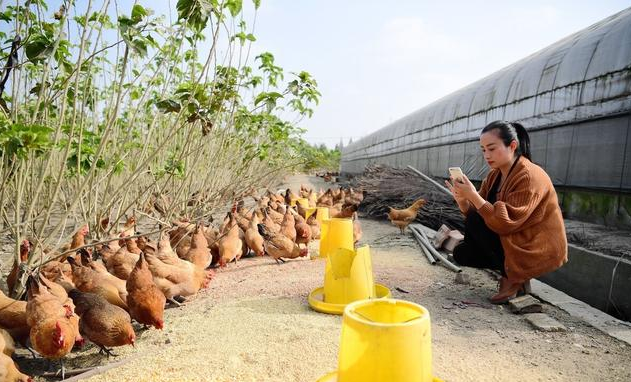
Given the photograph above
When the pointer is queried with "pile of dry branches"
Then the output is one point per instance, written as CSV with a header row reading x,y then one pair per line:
x,y
385,187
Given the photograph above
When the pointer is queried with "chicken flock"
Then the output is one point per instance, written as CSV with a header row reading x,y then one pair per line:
x,y
95,292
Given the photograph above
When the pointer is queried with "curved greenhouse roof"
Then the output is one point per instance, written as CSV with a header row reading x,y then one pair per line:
x,y
573,83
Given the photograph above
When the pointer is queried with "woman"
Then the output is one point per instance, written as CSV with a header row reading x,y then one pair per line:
x,y
513,223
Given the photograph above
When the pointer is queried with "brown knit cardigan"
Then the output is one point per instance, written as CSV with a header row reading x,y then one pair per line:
x,y
528,220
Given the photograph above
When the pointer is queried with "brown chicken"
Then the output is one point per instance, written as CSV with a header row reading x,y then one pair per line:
x,y
303,230
279,246
61,294
13,318
314,224
88,280
269,222
253,238
346,211
9,371
199,253
25,247
176,279
403,218
104,324
276,216
230,245
99,267
52,334
52,269
78,239
129,228
288,226
145,300
7,345
119,263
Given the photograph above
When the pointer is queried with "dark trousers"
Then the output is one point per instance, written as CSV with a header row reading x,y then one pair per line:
x,y
481,247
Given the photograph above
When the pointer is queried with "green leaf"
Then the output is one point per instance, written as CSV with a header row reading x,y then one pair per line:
x,y
234,6
137,13
38,48
168,106
250,37
257,3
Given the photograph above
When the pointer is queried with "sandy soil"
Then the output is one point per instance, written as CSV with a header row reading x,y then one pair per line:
x,y
253,324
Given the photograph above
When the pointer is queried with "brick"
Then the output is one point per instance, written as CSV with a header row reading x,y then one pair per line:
x,y
544,322
525,304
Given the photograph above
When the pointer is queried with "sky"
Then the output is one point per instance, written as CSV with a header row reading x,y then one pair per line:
x,y
378,61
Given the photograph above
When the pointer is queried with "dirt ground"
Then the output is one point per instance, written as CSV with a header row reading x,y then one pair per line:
x,y
254,324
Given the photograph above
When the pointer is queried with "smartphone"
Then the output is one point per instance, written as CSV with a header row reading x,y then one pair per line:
x,y
456,174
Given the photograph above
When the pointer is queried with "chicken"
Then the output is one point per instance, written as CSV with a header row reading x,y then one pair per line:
x,y
52,269
119,263
176,279
7,345
199,253
345,212
9,371
78,239
326,200
98,267
62,296
276,217
303,230
403,218
230,245
288,227
52,333
314,224
13,317
25,247
144,299
290,196
129,228
88,280
104,324
279,246
269,223
357,229
253,238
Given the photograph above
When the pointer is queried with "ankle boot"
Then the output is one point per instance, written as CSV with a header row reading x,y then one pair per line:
x,y
508,291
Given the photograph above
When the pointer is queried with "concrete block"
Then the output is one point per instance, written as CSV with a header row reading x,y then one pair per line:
x,y
543,322
525,304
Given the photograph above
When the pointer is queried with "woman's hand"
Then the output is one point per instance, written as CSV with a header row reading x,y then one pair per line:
x,y
466,190
456,193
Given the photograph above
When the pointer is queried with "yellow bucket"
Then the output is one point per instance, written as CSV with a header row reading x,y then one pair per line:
x,y
335,233
323,214
348,277
384,340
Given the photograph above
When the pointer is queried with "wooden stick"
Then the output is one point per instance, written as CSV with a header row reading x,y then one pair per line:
x,y
89,372
427,178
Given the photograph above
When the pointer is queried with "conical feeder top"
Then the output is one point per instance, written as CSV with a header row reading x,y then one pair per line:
x,y
335,233
348,277
384,340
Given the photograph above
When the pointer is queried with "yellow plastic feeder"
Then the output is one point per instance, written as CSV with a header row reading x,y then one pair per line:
x,y
304,202
323,214
310,211
335,233
348,277
384,340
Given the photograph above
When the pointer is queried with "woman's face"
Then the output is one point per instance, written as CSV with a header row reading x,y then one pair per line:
x,y
496,154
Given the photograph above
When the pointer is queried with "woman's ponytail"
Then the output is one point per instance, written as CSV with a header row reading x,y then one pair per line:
x,y
523,139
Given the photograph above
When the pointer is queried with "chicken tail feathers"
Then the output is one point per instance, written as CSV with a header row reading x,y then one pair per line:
x,y
263,231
